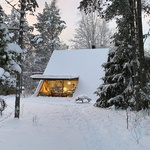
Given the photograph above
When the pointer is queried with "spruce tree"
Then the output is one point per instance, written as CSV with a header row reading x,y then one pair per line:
x,y
8,64
123,82
117,88
49,26
3,45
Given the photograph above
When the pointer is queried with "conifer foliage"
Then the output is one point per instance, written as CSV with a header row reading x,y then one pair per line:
x,y
49,26
125,81
13,22
3,45
8,50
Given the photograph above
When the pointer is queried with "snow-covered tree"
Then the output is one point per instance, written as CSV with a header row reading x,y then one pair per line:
x,y
118,87
125,77
91,30
13,23
49,25
24,6
8,64
3,45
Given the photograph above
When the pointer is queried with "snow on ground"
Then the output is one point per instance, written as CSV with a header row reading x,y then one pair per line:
x,y
62,124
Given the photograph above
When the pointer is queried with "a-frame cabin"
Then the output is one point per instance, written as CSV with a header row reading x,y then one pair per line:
x,y
72,72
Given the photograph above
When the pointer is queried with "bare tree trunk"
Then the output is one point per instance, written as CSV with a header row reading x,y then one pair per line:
x,y
141,46
138,54
136,83
19,75
144,103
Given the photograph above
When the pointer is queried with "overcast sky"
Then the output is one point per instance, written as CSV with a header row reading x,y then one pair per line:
x,y
68,13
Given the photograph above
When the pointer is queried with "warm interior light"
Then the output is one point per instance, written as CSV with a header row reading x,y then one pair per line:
x,y
69,83
64,89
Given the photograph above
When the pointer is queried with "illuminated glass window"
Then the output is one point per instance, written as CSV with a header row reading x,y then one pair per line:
x,y
58,87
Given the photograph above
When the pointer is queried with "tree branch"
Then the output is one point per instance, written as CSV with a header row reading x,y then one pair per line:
x,y
13,6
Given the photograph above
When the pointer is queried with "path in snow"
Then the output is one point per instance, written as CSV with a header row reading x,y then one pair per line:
x,y
62,124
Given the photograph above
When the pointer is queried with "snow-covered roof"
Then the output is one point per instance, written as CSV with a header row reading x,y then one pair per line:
x,y
42,77
85,63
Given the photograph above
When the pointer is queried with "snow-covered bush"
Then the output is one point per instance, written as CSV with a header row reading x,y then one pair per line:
x,y
82,98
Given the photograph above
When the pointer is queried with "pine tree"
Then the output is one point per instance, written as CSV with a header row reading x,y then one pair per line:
x,y
49,27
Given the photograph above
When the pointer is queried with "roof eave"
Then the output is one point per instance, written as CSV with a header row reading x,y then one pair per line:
x,y
54,77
